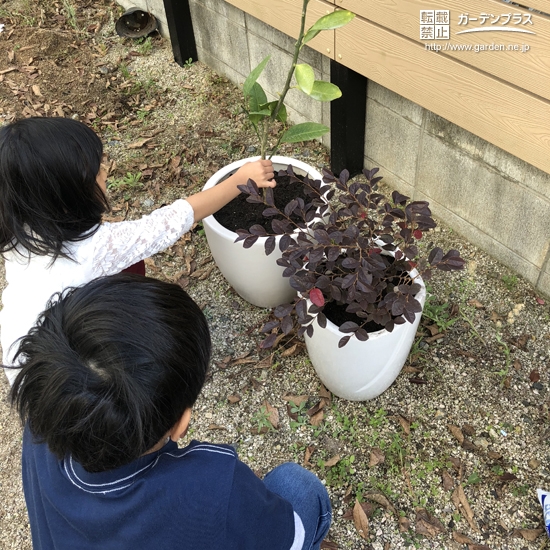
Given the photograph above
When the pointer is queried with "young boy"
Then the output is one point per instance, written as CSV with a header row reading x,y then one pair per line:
x,y
109,376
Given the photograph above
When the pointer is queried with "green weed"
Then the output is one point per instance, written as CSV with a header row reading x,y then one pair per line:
x,y
261,420
145,46
438,312
510,282
128,181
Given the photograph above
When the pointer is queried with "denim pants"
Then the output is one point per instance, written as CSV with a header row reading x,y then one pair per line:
x,y
308,497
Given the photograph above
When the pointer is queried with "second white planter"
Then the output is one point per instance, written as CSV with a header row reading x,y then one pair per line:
x,y
255,277
362,370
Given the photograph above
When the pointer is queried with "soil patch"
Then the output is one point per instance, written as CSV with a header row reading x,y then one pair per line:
x,y
241,214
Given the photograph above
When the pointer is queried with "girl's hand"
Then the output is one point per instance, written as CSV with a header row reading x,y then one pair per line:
x,y
210,201
259,171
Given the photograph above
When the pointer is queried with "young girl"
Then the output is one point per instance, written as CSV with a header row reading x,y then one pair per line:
x,y
52,197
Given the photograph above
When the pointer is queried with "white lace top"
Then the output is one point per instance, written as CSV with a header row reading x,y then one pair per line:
x,y
114,247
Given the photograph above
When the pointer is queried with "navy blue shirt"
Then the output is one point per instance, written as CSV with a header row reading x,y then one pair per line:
x,y
199,497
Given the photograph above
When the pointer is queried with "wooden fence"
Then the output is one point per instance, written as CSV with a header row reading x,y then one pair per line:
x,y
493,83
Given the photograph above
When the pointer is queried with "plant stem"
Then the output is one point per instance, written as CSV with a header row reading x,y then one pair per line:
x,y
297,48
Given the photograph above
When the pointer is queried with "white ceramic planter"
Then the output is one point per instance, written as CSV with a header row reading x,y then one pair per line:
x,y
362,370
256,277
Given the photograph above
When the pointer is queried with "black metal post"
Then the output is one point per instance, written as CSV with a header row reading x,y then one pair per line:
x,y
347,120
180,25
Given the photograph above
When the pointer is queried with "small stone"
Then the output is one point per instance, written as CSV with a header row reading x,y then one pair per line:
x,y
251,149
148,202
537,386
480,442
104,69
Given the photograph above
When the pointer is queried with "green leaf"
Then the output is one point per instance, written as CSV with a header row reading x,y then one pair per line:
x,y
310,35
281,115
257,98
253,76
304,132
333,20
263,112
304,77
324,91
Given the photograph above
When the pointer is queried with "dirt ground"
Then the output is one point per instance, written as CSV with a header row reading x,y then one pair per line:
x,y
449,457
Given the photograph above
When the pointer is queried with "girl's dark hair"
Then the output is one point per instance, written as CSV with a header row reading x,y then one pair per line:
x,y
48,189
110,367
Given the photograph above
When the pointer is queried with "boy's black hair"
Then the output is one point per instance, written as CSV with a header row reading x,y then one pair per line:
x,y
48,190
110,367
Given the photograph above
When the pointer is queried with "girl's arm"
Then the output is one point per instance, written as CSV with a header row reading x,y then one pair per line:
x,y
207,202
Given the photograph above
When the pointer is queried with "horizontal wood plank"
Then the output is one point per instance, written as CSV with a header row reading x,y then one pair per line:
x,y
285,16
529,70
510,118
541,5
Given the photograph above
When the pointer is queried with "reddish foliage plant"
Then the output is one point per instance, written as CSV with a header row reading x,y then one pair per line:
x,y
359,254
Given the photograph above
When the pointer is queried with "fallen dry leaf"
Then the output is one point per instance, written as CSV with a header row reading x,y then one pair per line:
x,y
534,376
405,424
456,432
316,408
265,363
468,429
329,545
475,546
434,329
517,365
528,534
447,480
216,427
468,445
411,370
368,508
461,502
332,461
461,538
382,500
36,90
272,414
376,457
233,399
495,317
296,399
309,451
316,419
533,463
360,520
293,350
325,394
507,477
521,342
476,303
427,524
138,144
404,524
494,455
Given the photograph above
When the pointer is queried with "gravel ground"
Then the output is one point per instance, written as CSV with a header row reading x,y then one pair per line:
x,y
449,457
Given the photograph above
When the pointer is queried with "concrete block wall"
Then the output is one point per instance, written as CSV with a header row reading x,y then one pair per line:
x,y
495,200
